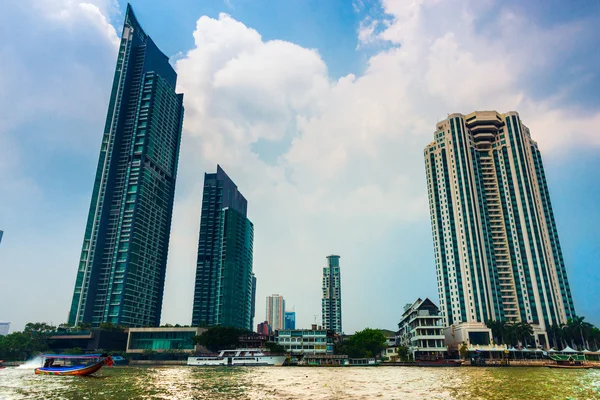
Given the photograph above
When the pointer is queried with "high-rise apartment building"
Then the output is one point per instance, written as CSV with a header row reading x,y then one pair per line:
x,y
332,295
121,273
4,327
290,320
253,301
223,290
275,312
496,245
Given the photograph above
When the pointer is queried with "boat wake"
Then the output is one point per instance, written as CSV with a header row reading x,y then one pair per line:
x,y
32,363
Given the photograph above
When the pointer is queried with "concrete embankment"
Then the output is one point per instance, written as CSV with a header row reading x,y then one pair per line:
x,y
158,362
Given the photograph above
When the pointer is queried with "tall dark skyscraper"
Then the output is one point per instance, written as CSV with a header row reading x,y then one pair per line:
x,y
223,291
121,271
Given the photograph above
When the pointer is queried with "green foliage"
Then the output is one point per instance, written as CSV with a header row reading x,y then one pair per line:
x,y
109,326
274,348
463,350
39,328
364,344
220,338
75,350
22,345
497,328
403,353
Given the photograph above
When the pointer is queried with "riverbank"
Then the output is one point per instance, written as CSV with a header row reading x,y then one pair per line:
x,y
157,362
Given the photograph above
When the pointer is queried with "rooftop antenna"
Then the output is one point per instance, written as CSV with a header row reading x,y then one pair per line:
x,y
315,315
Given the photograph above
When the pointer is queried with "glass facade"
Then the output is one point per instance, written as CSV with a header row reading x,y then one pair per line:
x,y
332,295
495,240
290,320
162,340
224,278
121,273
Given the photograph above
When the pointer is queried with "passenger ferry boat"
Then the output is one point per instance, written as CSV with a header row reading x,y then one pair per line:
x,y
238,357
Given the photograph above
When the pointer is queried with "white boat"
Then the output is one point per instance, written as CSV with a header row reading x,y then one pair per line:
x,y
237,357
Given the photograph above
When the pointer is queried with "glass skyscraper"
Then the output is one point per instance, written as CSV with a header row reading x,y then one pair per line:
x,y
223,290
121,271
290,320
496,245
332,295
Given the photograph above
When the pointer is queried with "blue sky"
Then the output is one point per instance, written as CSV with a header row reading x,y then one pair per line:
x,y
319,111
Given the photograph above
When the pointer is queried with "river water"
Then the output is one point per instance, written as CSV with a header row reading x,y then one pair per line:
x,y
305,383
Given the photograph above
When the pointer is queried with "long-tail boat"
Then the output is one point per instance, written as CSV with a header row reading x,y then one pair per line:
x,y
69,364
572,361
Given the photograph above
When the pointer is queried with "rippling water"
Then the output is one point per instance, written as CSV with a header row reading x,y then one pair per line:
x,y
305,382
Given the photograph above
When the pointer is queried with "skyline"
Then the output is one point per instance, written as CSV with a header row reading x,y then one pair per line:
x,y
377,122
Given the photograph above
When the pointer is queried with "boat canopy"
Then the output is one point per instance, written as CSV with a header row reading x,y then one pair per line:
x,y
567,357
83,356
568,350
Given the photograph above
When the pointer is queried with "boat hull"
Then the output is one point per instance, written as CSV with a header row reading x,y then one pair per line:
x,y
571,366
70,371
264,361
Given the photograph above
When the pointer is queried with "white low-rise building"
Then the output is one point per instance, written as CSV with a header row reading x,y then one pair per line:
x,y
421,330
306,341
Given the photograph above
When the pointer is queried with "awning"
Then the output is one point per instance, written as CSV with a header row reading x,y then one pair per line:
x,y
568,350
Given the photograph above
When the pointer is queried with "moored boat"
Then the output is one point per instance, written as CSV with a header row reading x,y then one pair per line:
x,y
73,365
120,361
574,361
238,357
1,364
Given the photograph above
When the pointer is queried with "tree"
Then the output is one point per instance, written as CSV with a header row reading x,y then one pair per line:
x,y
463,350
220,338
109,326
74,350
509,333
524,332
366,343
275,348
497,328
403,353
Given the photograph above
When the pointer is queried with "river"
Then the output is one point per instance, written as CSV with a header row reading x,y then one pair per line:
x,y
180,382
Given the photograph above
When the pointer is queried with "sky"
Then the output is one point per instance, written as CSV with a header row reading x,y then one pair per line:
x,y
319,111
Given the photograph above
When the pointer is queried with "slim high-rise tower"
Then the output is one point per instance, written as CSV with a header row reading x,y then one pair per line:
x,y
121,271
332,295
496,245
275,312
223,290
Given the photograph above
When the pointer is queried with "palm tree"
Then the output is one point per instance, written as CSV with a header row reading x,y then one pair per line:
x,y
557,333
509,333
524,331
496,327
576,326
